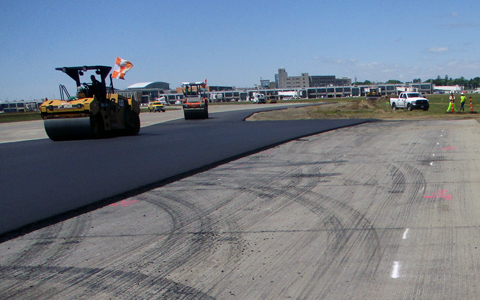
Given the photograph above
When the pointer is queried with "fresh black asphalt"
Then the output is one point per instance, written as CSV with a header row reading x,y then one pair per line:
x,y
42,179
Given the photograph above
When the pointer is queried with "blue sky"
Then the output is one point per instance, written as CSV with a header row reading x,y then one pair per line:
x,y
234,42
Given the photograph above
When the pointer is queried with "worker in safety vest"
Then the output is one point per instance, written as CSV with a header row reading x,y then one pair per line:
x,y
462,102
451,104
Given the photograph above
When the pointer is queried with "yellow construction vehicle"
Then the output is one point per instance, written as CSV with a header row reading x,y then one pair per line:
x,y
93,112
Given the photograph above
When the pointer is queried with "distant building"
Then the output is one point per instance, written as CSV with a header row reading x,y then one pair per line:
x,y
150,90
329,81
448,89
283,81
264,83
210,88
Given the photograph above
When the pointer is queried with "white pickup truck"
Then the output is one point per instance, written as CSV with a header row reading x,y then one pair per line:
x,y
410,100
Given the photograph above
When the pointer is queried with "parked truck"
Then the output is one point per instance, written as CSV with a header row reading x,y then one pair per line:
x,y
410,101
258,98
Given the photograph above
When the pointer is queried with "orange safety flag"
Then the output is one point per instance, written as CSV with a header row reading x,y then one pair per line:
x,y
121,67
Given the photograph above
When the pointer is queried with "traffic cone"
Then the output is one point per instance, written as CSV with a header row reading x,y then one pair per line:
x,y
453,104
471,105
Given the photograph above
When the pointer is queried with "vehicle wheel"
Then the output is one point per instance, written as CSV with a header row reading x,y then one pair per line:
x,y
132,124
409,107
96,124
425,109
394,107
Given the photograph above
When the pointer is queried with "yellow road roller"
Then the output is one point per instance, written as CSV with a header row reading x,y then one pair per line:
x,y
95,112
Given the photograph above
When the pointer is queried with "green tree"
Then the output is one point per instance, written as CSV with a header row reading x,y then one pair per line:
x,y
366,82
393,81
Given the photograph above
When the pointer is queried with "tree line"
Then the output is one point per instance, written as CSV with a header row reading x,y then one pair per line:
x,y
467,83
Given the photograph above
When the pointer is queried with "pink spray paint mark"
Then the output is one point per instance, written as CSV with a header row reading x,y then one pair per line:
x,y
449,148
442,194
125,203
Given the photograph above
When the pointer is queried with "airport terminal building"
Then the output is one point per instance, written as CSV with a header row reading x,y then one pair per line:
x,y
283,81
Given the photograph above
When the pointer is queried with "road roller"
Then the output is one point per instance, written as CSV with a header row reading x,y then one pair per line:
x,y
195,103
94,112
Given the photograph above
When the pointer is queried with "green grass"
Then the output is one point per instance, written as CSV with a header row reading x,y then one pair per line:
x,y
19,117
438,105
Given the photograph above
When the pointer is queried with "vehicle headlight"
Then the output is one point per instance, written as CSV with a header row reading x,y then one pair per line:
x,y
414,102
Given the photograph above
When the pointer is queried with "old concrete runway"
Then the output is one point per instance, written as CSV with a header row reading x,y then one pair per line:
x,y
384,210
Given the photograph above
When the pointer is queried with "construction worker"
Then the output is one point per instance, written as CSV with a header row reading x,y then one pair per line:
x,y
462,102
451,104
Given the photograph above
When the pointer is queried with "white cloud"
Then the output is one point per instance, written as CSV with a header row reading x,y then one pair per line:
x,y
337,61
438,49
449,15
461,25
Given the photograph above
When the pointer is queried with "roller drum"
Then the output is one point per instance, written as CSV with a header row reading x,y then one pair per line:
x,y
69,128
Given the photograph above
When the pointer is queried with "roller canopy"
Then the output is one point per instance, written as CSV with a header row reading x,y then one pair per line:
x,y
76,72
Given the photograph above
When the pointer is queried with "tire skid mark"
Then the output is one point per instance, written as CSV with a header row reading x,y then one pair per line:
x,y
73,236
328,219
55,246
403,192
264,192
414,190
277,198
88,283
348,226
238,213
398,180
181,222
301,193
339,231
186,241
183,243
40,244
51,237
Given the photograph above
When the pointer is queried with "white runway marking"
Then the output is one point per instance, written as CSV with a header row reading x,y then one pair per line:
x,y
396,270
405,233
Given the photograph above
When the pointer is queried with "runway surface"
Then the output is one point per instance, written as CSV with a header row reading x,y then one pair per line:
x,y
384,210
41,179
